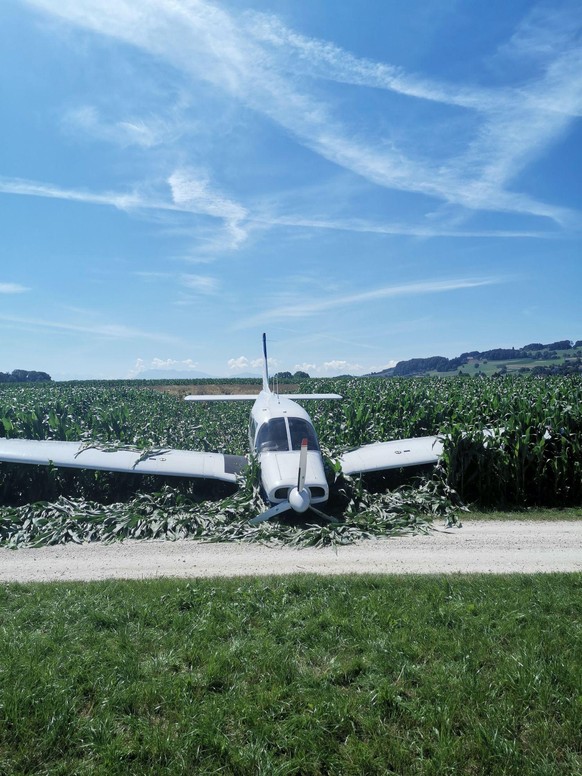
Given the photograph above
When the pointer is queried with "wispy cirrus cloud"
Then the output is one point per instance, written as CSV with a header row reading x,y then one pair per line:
x,y
191,190
13,288
203,284
249,58
298,308
237,218
27,188
110,330
322,59
138,131
185,193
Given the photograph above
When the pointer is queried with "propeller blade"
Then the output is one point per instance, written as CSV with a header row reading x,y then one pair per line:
x,y
276,510
302,466
322,514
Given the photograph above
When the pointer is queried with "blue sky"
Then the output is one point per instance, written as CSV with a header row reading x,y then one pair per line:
x,y
366,182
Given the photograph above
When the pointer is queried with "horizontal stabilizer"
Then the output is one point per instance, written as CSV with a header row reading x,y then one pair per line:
x,y
166,462
392,455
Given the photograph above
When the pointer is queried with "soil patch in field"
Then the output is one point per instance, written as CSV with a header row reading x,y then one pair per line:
x,y
213,389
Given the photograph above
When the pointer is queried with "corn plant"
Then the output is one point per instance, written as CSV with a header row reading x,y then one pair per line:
x,y
532,455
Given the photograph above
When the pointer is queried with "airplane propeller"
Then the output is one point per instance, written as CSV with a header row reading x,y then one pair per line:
x,y
298,499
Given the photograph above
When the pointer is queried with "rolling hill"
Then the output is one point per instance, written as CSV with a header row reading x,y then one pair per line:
x,y
561,357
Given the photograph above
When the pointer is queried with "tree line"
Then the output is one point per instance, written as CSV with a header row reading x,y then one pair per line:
x,y
24,376
538,350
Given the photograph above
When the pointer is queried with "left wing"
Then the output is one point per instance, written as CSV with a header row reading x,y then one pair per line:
x,y
253,396
172,463
392,455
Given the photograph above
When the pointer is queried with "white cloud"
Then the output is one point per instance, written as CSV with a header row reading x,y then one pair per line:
x,y
248,57
336,366
12,288
239,363
189,195
204,284
304,367
139,201
191,190
131,131
22,187
330,368
162,365
171,363
242,362
109,330
300,308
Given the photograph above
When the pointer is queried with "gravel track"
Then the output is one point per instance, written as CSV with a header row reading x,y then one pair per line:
x,y
486,547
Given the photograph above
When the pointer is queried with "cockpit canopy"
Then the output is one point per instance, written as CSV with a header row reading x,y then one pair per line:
x,y
284,434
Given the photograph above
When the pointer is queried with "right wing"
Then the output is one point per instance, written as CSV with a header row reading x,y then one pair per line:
x,y
164,461
392,455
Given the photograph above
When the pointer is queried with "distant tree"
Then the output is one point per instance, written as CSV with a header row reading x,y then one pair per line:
x,y
418,365
24,376
501,354
283,376
560,345
300,375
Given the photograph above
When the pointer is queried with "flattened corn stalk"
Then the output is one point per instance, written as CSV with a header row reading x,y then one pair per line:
x,y
534,459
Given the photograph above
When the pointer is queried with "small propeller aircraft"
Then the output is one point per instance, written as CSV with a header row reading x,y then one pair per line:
x,y
281,435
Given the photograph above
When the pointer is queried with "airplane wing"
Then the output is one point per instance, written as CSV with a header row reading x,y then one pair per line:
x,y
392,455
172,463
221,397
294,396
252,397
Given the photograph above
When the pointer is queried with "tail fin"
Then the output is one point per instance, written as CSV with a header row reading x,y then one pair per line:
x,y
265,366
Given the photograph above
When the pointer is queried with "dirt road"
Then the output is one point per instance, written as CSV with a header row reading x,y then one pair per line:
x,y
478,547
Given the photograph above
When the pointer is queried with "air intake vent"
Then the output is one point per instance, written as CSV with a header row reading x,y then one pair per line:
x,y
317,492
280,493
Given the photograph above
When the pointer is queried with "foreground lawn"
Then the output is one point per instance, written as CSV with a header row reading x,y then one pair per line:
x,y
310,675
534,513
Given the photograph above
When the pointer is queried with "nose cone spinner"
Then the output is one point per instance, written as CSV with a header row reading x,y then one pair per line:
x,y
299,499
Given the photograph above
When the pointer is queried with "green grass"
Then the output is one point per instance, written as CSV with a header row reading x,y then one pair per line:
x,y
569,513
310,675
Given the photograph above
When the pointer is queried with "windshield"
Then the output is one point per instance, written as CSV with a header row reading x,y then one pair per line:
x,y
301,429
272,437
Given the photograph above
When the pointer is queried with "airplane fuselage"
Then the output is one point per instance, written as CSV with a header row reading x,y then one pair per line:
x,y
277,428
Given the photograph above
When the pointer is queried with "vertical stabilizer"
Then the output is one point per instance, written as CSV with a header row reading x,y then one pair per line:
x,y
265,366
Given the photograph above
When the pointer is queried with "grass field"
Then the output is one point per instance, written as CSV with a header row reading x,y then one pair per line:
x,y
307,675
571,513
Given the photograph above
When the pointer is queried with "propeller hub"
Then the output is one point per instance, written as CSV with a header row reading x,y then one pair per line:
x,y
299,499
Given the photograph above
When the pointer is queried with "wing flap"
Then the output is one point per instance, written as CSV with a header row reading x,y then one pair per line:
x,y
168,462
392,455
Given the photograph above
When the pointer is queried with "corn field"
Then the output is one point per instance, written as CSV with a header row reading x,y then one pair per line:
x,y
533,456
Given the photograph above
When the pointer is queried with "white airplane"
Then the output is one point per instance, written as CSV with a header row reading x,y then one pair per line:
x,y
281,435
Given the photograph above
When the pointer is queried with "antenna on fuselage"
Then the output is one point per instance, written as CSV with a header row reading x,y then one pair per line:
x,y
265,366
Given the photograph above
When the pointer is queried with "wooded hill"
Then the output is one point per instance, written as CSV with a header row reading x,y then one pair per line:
x,y
561,357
